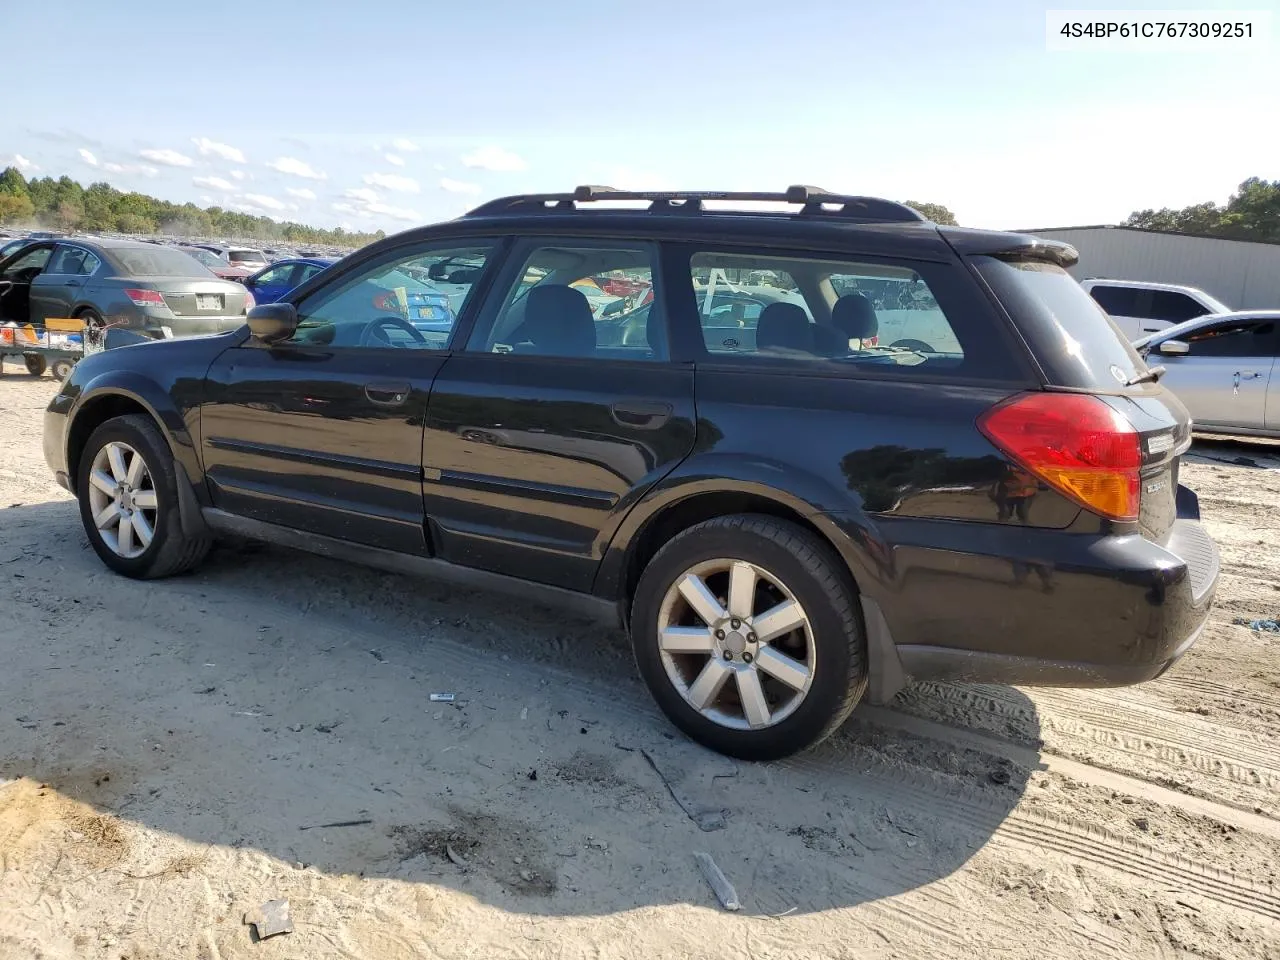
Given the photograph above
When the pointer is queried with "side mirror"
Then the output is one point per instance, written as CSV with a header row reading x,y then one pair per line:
x,y
1174,348
270,322
246,282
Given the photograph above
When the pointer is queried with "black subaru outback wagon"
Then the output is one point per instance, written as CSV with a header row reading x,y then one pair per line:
x,y
801,453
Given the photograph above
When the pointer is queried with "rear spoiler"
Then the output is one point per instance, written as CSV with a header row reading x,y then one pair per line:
x,y
1009,246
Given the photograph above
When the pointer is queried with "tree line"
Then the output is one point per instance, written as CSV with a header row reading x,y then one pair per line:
x,y
1252,213
65,205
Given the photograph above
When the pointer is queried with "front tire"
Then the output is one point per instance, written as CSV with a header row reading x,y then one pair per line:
x,y
748,632
128,493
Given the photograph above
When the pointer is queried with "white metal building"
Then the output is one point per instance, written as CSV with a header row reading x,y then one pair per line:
x,y
1242,274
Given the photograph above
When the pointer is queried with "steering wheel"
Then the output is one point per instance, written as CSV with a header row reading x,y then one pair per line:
x,y
373,335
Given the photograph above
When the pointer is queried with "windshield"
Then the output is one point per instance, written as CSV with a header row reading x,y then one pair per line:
x,y
1064,322
157,262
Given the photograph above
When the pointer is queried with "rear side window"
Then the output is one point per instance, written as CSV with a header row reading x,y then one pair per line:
x,y
874,316
1119,301
1173,307
1076,343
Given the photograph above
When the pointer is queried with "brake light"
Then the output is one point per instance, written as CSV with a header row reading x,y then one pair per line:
x,y
249,302
1075,443
145,298
871,341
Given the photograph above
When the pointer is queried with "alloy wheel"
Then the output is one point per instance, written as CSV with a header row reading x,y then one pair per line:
x,y
736,644
122,498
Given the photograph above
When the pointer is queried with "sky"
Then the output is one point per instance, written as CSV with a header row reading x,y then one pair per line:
x,y
390,113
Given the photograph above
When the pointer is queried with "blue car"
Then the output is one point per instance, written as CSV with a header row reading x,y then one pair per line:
x,y
271,283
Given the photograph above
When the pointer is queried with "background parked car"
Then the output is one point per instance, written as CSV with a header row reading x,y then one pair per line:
x,y
215,264
1224,368
155,290
1140,308
270,284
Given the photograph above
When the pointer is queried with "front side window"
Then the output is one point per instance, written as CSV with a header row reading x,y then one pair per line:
x,y
1234,338
393,302
275,276
820,310
577,300
1173,307
31,260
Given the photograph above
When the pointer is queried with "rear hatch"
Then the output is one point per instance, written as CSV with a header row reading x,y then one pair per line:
x,y
1081,351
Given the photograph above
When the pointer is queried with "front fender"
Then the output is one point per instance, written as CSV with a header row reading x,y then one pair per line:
x,y
836,514
178,431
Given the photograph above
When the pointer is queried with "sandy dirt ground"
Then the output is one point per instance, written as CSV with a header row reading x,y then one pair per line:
x,y
174,754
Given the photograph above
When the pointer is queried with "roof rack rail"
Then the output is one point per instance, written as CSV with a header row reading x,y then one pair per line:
x,y
813,202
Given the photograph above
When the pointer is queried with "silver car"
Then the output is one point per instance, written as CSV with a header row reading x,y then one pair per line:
x,y
1224,368
155,290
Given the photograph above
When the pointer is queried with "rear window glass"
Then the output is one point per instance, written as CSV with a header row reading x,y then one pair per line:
x,y
240,256
158,262
1075,340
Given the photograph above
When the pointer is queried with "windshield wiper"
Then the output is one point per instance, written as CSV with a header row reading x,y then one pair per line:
x,y
1151,376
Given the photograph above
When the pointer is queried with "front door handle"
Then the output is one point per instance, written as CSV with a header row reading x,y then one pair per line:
x,y
71,283
646,415
1247,374
387,394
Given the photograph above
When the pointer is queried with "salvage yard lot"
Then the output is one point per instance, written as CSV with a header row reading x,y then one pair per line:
x,y
166,744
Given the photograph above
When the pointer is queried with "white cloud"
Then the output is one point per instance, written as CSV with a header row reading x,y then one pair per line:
x,y
215,183
301,192
205,198
115,167
262,200
458,186
88,157
395,213
395,161
363,194
209,147
494,158
407,146
23,164
393,181
345,208
170,158
297,168
239,174
439,167
147,171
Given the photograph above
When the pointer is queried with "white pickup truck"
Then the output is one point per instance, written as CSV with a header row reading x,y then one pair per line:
x,y
1140,308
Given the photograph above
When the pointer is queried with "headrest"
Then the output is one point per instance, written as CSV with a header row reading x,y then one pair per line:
x,y
784,325
558,321
854,316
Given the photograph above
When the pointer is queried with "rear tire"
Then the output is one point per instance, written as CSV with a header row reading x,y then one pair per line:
x,y
36,364
143,497
62,368
807,679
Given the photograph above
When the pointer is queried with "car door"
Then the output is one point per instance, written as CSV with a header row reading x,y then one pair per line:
x,y
56,291
20,271
271,285
540,436
323,432
1224,378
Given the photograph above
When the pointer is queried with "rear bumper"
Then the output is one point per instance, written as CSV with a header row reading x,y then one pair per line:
x,y
1050,608
191,326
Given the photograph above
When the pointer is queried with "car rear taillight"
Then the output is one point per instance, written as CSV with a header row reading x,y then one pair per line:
x,y
249,302
871,341
1075,443
145,298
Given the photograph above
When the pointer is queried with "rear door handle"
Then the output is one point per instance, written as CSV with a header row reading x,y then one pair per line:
x,y
647,415
71,283
387,394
